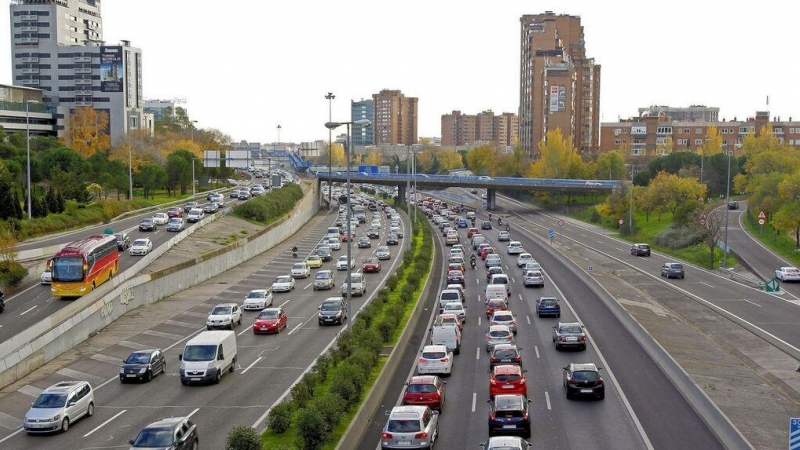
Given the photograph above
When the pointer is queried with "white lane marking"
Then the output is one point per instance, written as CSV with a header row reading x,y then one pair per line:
x,y
477,281
243,331
18,432
520,296
252,364
600,242
105,423
297,327
619,249
478,353
506,266
192,413
536,348
479,320
582,234
308,285
547,399
28,310
702,282
479,298
513,280
752,303
529,319
474,397
284,303
12,298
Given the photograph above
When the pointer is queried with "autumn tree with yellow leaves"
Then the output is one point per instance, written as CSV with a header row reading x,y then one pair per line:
x,y
86,132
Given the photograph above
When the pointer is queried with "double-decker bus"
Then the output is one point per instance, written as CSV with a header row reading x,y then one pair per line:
x,y
83,265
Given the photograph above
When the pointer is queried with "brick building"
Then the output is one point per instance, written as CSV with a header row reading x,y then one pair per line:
x,y
485,127
395,118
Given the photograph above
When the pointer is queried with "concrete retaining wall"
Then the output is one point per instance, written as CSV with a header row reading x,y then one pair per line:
x,y
129,290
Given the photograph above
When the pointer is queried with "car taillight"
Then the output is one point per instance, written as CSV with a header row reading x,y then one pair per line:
x,y
494,358
581,338
492,381
422,360
491,416
517,358
525,416
600,380
444,360
562,338
521,381
386,435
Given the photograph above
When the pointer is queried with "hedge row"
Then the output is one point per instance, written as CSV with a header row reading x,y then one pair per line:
x,y
325,395
268,207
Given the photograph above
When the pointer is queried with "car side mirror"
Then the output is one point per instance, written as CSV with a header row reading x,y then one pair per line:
x,y
599,369
180,357
387,412
130,441
72,403
221,357
489,401
565,368
444,382
524,370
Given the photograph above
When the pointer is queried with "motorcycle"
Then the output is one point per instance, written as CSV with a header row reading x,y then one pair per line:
x,y
294,252
472,263
499,220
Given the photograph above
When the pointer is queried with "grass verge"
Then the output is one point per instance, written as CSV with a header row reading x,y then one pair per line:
x,y
779,242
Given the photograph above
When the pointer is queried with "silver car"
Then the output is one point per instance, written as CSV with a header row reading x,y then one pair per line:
x,y
498,334
324,279
59,406
569,335
410,427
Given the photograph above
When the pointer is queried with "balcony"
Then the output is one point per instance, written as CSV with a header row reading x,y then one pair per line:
x,y
79,104
31,70
33,82
29,29
83,70
83,93
92,25
30,59
28,40
28,18
83,82
82,59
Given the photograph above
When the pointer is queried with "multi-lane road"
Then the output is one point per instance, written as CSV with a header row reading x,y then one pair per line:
x,y
267,364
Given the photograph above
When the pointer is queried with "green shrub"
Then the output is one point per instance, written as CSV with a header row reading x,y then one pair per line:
x,y
280,417
12,273
303,391
243,438
312,431
344,386
332,408
370,339
678,237
386,328
365,359
392,281
321,367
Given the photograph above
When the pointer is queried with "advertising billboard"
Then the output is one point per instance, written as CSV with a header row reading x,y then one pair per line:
x,y
111,73
237,158
553,98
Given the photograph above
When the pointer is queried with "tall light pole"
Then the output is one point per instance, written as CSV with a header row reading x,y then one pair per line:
x,y
193,183
269,173
414,171
130,162
279,133
331,126
727,209
630,212
28,145
330,97
191,127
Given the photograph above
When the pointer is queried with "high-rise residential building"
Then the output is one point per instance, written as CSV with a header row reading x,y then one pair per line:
x,y
559,85
362,109
57,46
694,113
485,127
395,118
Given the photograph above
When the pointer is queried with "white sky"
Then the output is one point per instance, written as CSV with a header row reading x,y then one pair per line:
x,y
246,66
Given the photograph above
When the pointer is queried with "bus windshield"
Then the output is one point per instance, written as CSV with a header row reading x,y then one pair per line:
x,y
68,269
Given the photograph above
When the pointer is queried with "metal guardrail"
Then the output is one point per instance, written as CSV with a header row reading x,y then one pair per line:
x,y
486,182
744,279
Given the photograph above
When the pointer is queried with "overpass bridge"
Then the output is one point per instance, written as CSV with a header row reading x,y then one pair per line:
x,y
491,184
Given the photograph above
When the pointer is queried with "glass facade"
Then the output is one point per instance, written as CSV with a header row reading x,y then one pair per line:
x,y
363,109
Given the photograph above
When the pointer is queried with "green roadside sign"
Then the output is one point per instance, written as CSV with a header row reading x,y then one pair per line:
x,y
773,285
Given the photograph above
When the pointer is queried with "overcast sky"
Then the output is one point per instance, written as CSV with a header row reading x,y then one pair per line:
x,y
246,66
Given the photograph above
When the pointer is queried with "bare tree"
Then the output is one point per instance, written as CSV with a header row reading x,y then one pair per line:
x,y
712,227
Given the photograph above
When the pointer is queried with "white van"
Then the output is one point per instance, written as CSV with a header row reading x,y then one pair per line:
x,y
206,356
448,336
449,295
496,291
501,278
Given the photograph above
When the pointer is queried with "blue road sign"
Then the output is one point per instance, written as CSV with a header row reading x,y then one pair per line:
x,y
552,233
794,433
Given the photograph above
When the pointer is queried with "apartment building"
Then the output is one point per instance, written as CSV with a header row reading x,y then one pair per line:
x,y
485,127
395,118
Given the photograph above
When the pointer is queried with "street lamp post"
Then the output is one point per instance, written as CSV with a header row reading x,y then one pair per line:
x,y
269,173
191,127
130,162
331,126
330,97
414,168
630,211
28,146
279,134
193,183
727,209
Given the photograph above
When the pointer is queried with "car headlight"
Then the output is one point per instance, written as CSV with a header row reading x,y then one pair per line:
x,y
55,418
121,370
143,370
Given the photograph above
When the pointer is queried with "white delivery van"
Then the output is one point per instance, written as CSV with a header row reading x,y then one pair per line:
x,y
501,278
449,295
496,291
207,355
447,335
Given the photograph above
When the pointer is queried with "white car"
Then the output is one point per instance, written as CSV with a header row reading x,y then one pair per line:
x,y
788,274
141,247
341,263
300,270
506,443
283,283
435,359
523,259
160,218
531,265
456,308
195,215
47,276
515,248
257,299
224,315
334,244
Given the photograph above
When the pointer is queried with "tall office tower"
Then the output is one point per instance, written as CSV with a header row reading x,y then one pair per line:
x,y
359,110
395,118
559,85
57,46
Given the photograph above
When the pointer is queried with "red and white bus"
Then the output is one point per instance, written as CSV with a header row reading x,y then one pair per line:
x,y
83,265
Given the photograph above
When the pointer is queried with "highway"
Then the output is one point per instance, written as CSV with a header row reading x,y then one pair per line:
x,y
35,302
625,419
267,364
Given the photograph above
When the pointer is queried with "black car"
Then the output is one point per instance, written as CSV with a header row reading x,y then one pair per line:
x,y
174,433
455,277
324,253
392,240
364,242
473,191
494,270
123,241
188,207
509,414
148,224
733,204
486,225
672,269
332,311
584,380
505,354
640,250
142,365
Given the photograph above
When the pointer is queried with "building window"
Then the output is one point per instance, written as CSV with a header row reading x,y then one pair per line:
x,y
664,130
778,130
698,142
698,131
617,142
683,141
684,131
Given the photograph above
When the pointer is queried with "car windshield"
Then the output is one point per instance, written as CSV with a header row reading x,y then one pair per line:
x,y
505,353
199,352
644,247
282,279
499,280
452,307
147,221
454,273
507,377
322,275
499,334
510,403
268,315
421,388
502,318
676,266
299,266
403,426
120,237
68,269
154,437
139,243
548,302
331,306
791,270
174,221
221,310
256,294
586,375
570,329
496,303
50,401
138,358
433,355
450,296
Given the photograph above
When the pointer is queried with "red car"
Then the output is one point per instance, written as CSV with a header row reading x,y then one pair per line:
x,y
372,265
456,266
270,320
428,390
507,379
175,212
344,237
495,304
472,232
486,251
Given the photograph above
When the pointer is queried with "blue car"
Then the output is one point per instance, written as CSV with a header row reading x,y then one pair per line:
x,y
462,223
548,306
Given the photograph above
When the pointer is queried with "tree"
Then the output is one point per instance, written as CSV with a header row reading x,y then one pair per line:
x,y
557,155
712,144
787,217
86,133
374,158
712,231
678,195
243,438
150,177
448,159
481,160
7,197
610,166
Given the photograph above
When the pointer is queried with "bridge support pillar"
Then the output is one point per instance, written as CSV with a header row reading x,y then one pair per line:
x,y
490,199
401,194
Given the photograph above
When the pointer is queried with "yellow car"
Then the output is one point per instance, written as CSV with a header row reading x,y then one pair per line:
x,y
314,261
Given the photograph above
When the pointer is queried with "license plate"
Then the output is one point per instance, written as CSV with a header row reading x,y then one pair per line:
x,y
508,386
194,379
505,360
403,442
572,339
586,391
509,426
264,328
130,375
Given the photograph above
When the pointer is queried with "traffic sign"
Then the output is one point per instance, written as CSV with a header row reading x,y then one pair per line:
x,y
620,221
551,233
762,215
761,221
591,268
794,433
773,285
560,222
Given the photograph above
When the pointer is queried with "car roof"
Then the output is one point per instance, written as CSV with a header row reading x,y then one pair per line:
x,y
499,328
64,386
584,366
505,347
226,304
408,411
507,369
260,291
422,379
435,348
509,401
167,422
